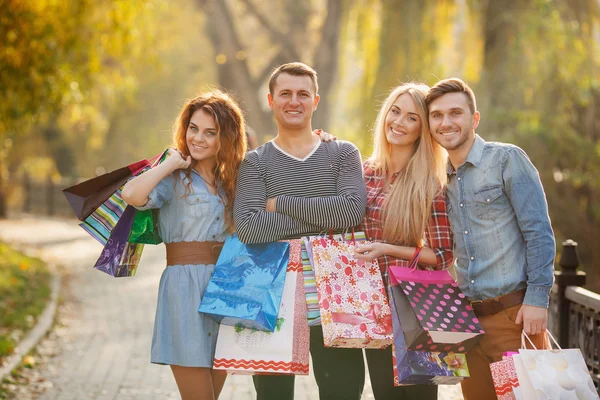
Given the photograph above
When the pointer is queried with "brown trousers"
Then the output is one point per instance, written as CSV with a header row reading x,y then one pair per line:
x,y
501,334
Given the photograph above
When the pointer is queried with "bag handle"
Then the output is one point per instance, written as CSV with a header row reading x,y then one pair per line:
x,y
414,261
159,158
548,337
344,233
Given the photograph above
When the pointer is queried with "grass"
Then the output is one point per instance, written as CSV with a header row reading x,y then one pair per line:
x,y
24,292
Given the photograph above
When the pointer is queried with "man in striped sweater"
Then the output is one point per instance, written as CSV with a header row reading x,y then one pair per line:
x,y
293,186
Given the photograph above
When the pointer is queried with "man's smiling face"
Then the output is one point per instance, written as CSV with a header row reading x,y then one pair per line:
x,y
293,101
451,121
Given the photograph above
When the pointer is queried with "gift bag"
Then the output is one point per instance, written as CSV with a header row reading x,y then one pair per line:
x,y
145,228
102,221
247,283
425,367
352,300
310,286
119,258
87,196
435,314
145,225
554,374
505,378
101,210
243,350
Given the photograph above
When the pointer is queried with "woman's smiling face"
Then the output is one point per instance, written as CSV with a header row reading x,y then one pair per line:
x,y
201,136
402,122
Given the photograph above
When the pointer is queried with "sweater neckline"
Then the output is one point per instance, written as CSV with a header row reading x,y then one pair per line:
x,y
294,157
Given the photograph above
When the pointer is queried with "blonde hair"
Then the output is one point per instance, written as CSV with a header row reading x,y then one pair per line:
x,y
408,205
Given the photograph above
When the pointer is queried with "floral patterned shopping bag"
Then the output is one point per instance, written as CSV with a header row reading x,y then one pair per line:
x,y
352,299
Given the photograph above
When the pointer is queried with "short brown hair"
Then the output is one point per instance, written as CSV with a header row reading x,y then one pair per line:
x,y
294,69
452,85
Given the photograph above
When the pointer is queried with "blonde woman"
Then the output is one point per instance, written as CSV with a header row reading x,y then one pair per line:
x,y
406,209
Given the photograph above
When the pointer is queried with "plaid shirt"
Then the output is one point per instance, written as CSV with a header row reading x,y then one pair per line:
x,y
438,237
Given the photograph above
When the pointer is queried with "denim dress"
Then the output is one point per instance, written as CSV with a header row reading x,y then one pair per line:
x,y
183,336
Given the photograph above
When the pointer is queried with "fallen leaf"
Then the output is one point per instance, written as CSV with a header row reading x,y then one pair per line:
x,y
29,361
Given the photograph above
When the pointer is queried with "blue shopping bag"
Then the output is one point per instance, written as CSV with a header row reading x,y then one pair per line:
x,y
247,284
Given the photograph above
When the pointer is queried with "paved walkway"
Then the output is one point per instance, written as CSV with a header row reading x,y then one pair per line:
x,y
103,338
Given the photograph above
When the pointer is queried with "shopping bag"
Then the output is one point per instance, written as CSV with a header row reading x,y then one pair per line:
x,y
424,367
144,229
352,300
87,196
119,258
505,378
554,374
102,221
310,286
247,283
242,350
145,225
99,205
435,314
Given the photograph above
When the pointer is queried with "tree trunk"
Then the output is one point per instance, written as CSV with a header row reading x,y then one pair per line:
x,y
234,74
326,62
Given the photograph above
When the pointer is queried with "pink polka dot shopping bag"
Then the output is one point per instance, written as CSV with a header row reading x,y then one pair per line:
x,y
433,313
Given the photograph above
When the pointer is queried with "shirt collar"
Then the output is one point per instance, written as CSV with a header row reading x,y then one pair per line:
x,y
476,153
474,157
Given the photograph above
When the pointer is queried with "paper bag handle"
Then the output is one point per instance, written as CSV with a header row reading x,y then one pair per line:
x,y
548,337
414,261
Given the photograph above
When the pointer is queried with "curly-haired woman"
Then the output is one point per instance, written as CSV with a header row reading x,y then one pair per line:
x,y
193,189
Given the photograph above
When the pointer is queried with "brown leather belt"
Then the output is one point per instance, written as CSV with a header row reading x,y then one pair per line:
x,y
184,253
495,305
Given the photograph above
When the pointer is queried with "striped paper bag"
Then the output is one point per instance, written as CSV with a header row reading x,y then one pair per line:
x,y
308,274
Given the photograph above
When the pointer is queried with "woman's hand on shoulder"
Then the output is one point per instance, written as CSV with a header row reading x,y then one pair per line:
x,y
176,160
324,136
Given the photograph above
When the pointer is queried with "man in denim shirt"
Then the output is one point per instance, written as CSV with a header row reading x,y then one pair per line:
x,y
503,241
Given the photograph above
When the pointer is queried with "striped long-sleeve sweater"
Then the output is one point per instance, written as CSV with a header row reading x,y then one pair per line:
x,y
323,191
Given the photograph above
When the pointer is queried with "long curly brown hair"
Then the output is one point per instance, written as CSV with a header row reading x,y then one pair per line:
x,y
231,134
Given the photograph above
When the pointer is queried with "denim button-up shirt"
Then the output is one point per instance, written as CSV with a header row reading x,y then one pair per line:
x,y
503,240
187,217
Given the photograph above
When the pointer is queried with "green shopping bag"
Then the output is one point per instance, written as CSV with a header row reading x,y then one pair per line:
x,y
145,225
145,228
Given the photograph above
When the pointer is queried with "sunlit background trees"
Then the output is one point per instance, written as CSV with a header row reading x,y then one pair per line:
x,y
88,86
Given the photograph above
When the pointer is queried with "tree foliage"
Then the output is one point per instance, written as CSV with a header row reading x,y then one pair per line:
x,y
535,69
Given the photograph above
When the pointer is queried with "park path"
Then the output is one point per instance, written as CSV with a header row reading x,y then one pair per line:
x,y
101,345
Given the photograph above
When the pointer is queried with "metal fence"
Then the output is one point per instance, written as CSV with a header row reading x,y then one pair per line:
x,y
44,196
574,314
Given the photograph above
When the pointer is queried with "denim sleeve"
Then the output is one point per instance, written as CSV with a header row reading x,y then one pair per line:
x,y
524,189
161,194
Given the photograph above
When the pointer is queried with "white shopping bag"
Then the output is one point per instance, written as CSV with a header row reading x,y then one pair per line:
x,y
553,374
286,350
